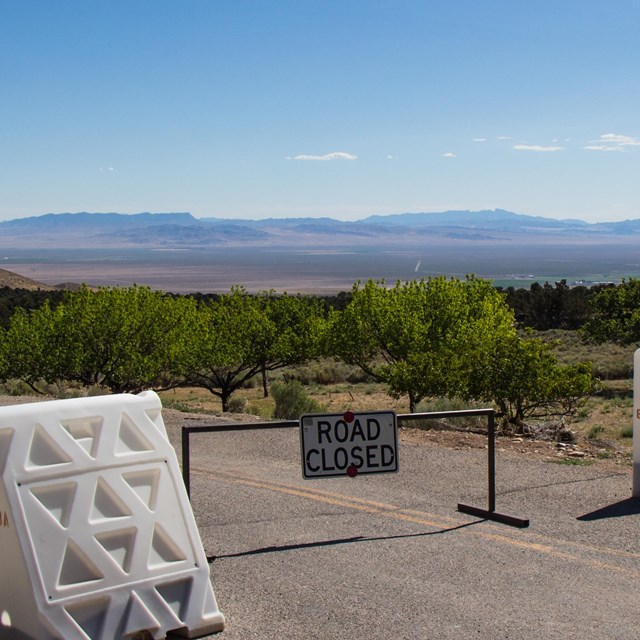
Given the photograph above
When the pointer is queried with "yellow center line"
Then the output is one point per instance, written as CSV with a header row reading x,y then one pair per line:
x,y
304,494
311,489
525,540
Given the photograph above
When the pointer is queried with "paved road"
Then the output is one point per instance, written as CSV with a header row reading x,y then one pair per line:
x,y
389,556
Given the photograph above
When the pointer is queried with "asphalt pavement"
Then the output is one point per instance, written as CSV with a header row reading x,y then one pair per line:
x,y
389,556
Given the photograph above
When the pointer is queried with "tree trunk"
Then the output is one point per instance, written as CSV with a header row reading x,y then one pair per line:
x,y
265,382
224,397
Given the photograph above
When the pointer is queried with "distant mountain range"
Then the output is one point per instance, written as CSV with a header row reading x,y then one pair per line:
x,y
182,230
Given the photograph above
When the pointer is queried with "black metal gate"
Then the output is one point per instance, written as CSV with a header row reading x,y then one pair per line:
x,y
489,513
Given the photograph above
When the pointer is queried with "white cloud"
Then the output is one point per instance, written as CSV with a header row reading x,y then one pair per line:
x,y
613,142
336,155
503,138
602,147
479,140
623,141
449,154
535,147
107,169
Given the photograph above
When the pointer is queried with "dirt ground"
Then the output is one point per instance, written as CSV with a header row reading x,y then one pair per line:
x,y
583,451
580,452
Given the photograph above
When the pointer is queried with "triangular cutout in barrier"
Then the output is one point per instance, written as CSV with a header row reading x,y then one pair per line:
x,y
145,484
176,595
154,414
130,438
107,504
6,435
164,550
138,618
77,567
44,451
90,616
119,545
57,499
86,432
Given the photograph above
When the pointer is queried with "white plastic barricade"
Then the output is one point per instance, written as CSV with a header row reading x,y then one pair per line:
x,y
97,536
635,488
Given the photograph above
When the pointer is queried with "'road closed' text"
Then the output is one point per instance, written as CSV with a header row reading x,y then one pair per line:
x,y
349,444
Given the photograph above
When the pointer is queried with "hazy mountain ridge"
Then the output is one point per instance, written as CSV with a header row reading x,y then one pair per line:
x,y
96,221
183,230
178,234
486,219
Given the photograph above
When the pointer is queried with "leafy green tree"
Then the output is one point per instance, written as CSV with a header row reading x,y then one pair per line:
x,y
32,349
290,332
523,378
239,336
547,306
126,339
615,314
420,337
12,299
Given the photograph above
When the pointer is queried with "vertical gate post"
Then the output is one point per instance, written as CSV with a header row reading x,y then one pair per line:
x,y
490,512
492,461
636,424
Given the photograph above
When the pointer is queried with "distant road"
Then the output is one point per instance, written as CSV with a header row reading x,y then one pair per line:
x,y
388,556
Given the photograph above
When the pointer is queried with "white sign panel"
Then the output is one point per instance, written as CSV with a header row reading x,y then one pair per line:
x,y
347,444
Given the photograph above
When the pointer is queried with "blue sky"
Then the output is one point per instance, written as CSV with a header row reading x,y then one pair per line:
x,y
340,108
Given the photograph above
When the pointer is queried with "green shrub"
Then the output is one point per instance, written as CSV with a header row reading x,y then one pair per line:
x,y
613,370
259,410
358,376
251,383
626,432
16,388
291,400
327,372
237,404
97,390
581,414
595,432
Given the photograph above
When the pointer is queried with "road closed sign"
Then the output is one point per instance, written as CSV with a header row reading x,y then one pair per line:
x,y
348,444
